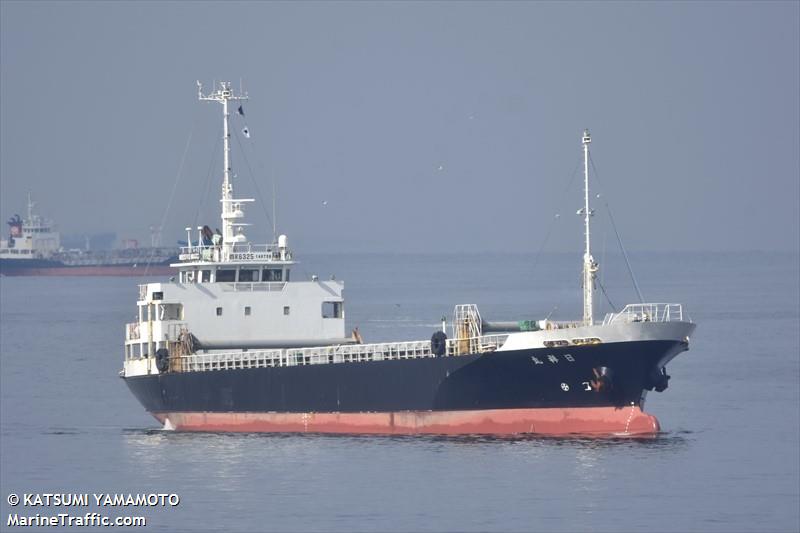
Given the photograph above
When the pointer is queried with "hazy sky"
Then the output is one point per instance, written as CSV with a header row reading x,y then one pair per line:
x,y
410,126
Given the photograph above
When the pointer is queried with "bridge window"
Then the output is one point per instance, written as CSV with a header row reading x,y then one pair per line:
x,y
247,311
331,309
285,309
226,275
272,274
248,275
205,276
219,311
170,312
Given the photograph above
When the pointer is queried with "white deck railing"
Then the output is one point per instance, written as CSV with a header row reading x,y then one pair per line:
x,y
238,253
162,330
351,353
646,312
231,360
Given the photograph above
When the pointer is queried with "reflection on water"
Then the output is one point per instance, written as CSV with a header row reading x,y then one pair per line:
x,y
318,474
664,440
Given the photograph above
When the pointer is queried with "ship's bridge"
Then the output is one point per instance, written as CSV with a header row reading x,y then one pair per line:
x,y
238,262
236,296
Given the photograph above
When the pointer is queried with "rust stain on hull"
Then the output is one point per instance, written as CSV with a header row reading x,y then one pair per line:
x,y
630,420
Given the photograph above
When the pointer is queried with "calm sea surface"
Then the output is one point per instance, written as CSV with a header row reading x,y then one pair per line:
x,y
728,459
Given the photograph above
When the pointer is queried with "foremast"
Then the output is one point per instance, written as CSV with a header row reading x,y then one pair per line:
x,y
231,207
589,264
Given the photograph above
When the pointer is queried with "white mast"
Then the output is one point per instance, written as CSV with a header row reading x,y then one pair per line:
x,y
231,209
589,264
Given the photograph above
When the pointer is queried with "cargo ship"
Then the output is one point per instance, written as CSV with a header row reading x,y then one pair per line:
x,y
236,344
33,248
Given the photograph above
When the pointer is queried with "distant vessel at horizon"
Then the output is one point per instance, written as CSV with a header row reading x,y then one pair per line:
x,y
33,248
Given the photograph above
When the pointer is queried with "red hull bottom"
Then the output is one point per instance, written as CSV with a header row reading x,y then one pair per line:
x,y
121,270
627,421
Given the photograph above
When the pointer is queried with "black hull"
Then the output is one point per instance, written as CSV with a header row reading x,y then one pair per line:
x,y
562,378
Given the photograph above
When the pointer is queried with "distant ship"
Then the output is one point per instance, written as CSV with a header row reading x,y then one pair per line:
x,y
33,248
235,343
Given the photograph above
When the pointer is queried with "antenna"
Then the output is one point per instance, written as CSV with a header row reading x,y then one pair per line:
x,y
230,212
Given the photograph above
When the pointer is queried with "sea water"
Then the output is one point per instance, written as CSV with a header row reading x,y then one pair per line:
x,y
727,459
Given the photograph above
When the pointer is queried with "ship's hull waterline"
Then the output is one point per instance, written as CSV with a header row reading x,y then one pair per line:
x,y
548,391
589,421
52,268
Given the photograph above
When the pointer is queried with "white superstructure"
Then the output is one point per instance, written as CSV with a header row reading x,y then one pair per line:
x,y
231,294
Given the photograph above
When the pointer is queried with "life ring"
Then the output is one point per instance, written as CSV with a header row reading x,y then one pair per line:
x,y
439,343
162,360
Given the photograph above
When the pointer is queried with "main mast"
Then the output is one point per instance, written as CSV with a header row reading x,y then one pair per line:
x,y
231,209
589,264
